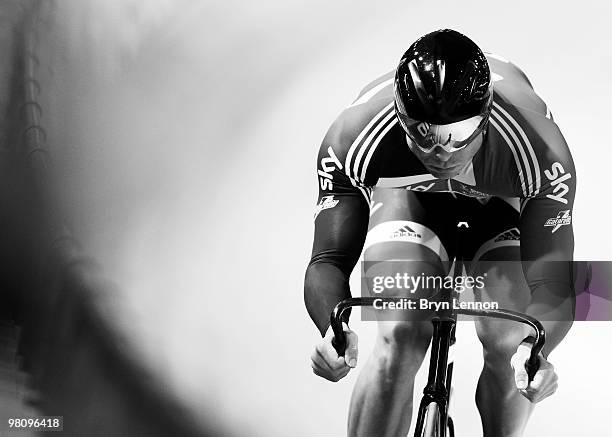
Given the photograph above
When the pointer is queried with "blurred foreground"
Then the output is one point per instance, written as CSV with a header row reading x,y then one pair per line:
x,y
62,351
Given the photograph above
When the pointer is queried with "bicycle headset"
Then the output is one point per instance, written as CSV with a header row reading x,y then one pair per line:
x,y
443,91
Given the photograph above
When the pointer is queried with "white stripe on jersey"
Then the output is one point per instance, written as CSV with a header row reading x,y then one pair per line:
x,y
527,143
375,145
367,193
520,148
513,150
369,141
523,204
349,155
371,93
374,208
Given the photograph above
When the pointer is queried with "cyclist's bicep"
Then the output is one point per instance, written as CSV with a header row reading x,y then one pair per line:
x,y
546,231
547,244
341,223
342,211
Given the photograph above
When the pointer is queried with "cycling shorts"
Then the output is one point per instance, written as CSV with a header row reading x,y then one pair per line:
x,y
408,223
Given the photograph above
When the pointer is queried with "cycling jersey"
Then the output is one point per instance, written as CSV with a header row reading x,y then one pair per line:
x,y
523,155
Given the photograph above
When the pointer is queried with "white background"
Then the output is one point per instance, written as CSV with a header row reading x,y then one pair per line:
x,y
192,133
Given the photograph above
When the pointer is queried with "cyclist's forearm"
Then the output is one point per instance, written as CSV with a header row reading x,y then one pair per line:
x,y
324,286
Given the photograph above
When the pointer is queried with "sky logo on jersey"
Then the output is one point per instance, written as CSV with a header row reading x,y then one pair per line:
x,y
557,175
326,202
328,165
405,231
563,218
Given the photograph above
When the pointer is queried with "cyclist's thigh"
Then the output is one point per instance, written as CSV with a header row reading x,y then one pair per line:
x,y
498,257
402,239
498,260
405,225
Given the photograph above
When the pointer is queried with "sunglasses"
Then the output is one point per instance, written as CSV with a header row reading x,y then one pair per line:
x,y
449,137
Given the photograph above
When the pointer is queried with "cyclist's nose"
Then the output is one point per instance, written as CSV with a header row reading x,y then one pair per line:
x,y
442,154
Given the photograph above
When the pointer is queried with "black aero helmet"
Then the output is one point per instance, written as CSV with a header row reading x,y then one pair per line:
x,y
443,90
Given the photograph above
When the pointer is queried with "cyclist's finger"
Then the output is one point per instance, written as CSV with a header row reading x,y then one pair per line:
x,y
325,368
319,361
523,352
327,350
351,353
537,381
536,396
317,358
520,357
520,377
518,361
330,376
322,368
548,387
545,376
328,357
546,390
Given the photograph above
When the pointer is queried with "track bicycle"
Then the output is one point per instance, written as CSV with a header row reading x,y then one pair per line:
x,y
433,419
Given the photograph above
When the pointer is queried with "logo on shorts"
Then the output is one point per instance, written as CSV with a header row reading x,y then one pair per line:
x,y
405,231
326,202
563,218
510,234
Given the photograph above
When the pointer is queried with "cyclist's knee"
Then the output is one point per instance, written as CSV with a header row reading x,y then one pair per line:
x,y
404,342
499,341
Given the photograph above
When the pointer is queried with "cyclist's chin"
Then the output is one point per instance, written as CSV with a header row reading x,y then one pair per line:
x,y
444,173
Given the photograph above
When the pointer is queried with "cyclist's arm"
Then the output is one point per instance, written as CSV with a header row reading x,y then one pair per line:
x,y
339,236
341,223
547,245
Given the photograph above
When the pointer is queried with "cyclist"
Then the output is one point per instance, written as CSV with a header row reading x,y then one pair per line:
x,y
451,133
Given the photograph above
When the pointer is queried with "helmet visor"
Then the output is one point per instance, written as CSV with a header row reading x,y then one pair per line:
x,y
450,137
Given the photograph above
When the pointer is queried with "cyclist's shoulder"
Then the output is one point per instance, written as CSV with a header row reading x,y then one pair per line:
x,y
381,87
533,143
372,109
526,132
521,117
512,82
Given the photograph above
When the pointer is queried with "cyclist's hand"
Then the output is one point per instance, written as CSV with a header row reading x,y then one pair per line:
x,y
544,382
325,360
